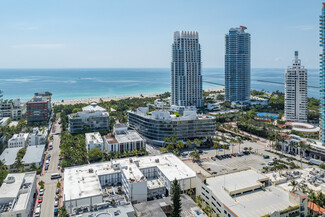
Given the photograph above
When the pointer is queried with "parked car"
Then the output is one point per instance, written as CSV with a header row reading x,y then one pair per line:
x,y
245,148
46,166
214,173
213,158
56,212
56,203
209,169
239,154
266,156
270,163
233,154
57,191
246,152
41,192
200,151
40,199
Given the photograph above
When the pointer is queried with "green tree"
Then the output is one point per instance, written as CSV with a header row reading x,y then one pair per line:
x,y
188,143
18,165
176,199
95,155
180,145
63,212
21,153
293,184
195,155
33,166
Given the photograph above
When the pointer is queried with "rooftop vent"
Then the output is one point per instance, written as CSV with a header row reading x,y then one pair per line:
x,y
10,179
157,160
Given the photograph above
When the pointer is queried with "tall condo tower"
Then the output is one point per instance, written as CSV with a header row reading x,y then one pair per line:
x,y
238,65
322,75
186,77
295,109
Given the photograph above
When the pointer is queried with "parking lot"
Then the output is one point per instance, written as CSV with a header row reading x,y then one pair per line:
x,y
209,164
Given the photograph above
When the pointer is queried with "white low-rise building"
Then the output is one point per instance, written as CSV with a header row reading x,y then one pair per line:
x,y
87,184
34,155
13,109
18,140
123,139
8,157
17,195
94,140
249,193
38,137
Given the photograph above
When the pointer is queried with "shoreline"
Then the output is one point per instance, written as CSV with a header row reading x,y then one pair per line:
x,y
107,99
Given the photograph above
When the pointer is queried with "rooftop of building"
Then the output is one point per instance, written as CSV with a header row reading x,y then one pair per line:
x,y
94,137
128,136
16,186
34,154
110,139
166,115
155,207
82,181
241,192
93,107
19,136
8,156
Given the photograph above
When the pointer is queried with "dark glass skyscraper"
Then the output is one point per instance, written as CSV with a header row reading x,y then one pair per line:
x,y
186,77
238,65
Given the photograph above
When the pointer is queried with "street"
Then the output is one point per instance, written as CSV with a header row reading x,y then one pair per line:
x,y
47,206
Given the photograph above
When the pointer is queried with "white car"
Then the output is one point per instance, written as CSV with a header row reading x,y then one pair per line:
x,y
56,203
41,192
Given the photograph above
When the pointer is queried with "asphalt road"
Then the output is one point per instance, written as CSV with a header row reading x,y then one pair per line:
x,y
47,206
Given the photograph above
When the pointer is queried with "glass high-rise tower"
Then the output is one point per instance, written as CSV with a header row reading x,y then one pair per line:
x,y
238,65
186,77
322,75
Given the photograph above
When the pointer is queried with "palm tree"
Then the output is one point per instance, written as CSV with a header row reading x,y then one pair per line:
x,y
188,143
180,145
232,142
196,141
239,141
293,184
18,165
3,166
33,166
167,141
292,145
303,147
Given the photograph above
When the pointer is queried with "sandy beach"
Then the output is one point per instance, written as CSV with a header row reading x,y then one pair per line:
x,y
106,99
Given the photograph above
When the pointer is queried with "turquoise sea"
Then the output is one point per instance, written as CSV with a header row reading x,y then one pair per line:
x,y
90,83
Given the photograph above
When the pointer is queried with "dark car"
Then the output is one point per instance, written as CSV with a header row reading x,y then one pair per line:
x,y
245,148
266,156
200,151
246,152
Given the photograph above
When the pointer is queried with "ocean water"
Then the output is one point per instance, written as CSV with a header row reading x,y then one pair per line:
x,y
90,83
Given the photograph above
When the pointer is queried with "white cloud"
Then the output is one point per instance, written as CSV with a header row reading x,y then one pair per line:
x,y
41,46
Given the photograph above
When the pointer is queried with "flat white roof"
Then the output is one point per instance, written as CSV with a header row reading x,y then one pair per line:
x,y
255,203
10,190
8,156
95,137
128,136
34,154
79,182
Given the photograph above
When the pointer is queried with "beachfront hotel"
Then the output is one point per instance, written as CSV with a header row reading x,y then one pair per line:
x,y
92,116
13,109
322,75
295,109
160,124
238,65
186,77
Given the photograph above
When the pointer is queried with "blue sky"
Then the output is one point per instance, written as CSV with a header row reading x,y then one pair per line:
x,y
139,33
